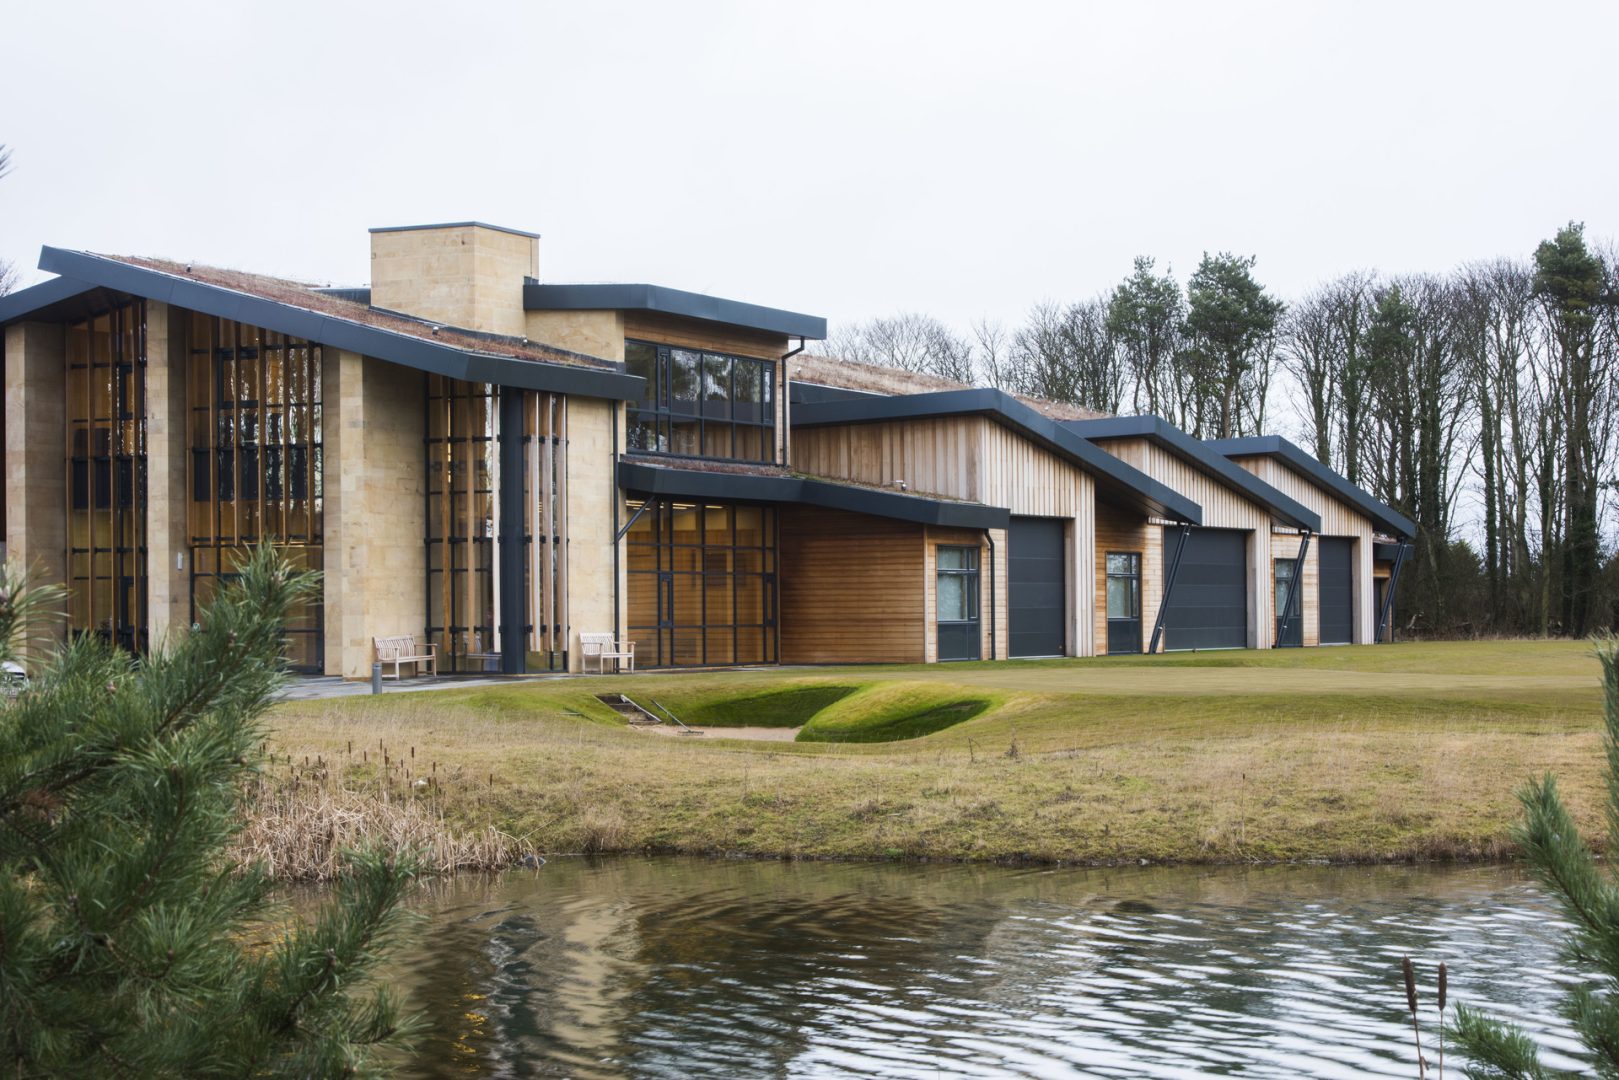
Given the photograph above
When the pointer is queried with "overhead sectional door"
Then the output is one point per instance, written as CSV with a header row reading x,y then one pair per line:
x,y
1035,587
1337,591
1208,605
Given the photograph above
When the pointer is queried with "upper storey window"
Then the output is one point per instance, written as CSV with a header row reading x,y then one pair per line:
x,y
702,404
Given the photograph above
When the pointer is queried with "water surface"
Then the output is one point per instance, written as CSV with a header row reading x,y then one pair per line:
x,y
688,967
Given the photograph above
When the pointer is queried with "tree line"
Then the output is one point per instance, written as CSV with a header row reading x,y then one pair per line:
x,y
1478,402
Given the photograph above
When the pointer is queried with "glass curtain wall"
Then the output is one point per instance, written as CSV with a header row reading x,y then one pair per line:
x,y
461,471
106,451
702,584
254,398
702,404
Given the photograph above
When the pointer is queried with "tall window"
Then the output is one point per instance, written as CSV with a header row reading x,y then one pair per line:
x,y
461,523
1289,620
702,584
254,398
106,449
957,599
1123,602
702,404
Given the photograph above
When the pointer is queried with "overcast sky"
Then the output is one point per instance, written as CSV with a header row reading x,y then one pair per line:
x,y
847,160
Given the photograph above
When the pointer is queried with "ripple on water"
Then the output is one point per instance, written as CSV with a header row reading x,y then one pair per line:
x,y
680,968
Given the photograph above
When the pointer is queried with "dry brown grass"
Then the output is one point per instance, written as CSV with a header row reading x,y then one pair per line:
x,y
1254,766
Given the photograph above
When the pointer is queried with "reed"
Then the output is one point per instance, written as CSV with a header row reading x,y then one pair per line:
x,y
1411,1006
302,816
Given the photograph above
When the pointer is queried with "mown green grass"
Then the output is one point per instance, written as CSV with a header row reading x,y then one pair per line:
x,y
788,706
892,712
1396,752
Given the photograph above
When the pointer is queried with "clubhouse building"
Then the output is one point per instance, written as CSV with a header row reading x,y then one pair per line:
x,y
495,464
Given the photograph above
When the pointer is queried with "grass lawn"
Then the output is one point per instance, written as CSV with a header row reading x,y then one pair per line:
x,y
1360,753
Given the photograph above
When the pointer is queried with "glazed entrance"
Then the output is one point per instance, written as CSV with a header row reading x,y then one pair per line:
x,y
702,583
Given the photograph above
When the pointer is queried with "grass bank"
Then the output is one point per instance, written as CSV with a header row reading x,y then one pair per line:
x,y
1349,754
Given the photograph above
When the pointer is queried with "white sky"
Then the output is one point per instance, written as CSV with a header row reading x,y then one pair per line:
x,y
845,159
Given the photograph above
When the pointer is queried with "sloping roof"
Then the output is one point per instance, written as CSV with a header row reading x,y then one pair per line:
x,y
304,311
853,377
1200,456
1383,516
678,482
612,296
1116,478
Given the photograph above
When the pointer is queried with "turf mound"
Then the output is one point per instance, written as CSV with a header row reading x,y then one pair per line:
x,y
890,712
784,706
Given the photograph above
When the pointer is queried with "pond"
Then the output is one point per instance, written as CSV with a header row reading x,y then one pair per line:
x,y
666,967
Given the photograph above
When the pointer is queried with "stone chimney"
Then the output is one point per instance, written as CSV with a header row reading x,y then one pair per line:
x,y
463,274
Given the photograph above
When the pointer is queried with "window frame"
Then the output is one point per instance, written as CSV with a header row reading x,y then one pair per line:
x,y
715,420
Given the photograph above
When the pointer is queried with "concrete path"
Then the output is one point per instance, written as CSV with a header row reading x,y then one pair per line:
x,y
315,688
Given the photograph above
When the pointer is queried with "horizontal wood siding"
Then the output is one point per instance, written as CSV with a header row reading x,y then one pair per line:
x,y
852,589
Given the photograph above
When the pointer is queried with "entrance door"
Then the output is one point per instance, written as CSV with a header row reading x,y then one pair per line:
x,y
1123,602
1337,591
1036,587
1289,622
1207,607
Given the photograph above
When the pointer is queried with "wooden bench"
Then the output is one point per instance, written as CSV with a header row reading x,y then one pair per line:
x,y
604,647
403,649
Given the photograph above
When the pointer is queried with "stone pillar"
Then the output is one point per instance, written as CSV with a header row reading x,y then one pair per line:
x,y
591,493
168,569
36,448
375,507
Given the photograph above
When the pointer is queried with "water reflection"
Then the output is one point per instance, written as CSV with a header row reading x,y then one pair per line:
x,y
679,968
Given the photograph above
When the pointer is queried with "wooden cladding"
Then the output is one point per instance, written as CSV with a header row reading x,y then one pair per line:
x,y
959,457
852,589
545,504
107,461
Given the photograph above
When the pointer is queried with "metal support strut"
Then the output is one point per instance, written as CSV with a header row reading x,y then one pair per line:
x,y
1292,594
1388,597
1169,587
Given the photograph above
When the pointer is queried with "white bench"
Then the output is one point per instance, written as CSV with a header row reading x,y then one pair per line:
x,y
403,649
604,647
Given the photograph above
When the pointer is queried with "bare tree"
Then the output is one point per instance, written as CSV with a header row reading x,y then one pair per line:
x,y
8,272
1068,354
908,341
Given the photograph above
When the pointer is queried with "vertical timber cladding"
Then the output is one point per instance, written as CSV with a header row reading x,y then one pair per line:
x,y
256,469
1337,590
464,616
107,459
1208,604
1036,587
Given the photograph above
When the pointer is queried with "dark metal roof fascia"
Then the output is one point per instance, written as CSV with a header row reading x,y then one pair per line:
x,y
1205,460
796,490
341,333
1383,516
538,296
1389,552
1113,474
24,302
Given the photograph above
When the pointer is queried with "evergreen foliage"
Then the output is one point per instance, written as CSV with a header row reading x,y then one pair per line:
x,y
129,944
1589,898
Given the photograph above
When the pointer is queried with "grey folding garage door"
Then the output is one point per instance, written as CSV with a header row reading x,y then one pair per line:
x,y
1035,587
1337,591
1208,606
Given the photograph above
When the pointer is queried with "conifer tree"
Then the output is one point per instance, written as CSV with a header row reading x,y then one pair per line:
x,y
129,943
1589,898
